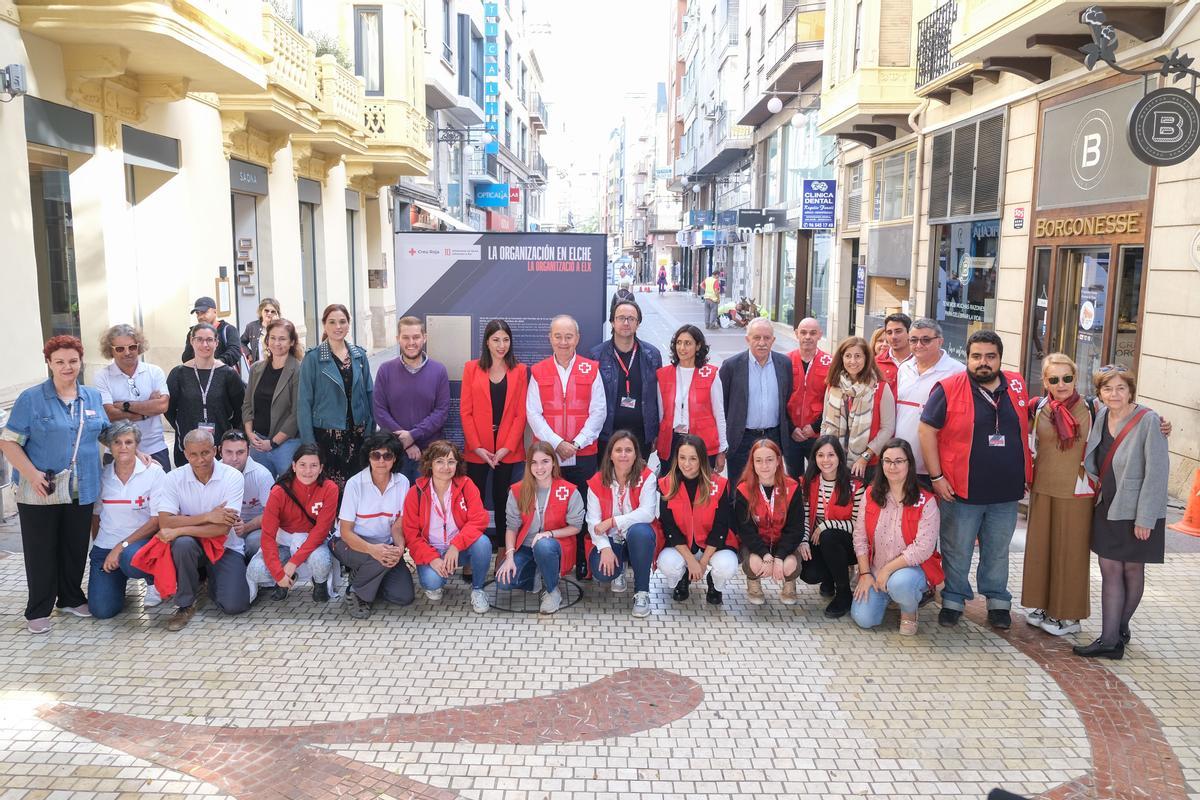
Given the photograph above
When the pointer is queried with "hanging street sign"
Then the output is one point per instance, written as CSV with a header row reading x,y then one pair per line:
x,y
1164,127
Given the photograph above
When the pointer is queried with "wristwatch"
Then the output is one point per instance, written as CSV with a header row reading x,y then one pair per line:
x,y
274,445
125,406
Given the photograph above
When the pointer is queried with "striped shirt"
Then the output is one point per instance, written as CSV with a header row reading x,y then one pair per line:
x,y
824,493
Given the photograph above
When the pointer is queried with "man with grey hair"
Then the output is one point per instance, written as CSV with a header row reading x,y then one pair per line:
x,y
757,384
133,389
915,379
203,500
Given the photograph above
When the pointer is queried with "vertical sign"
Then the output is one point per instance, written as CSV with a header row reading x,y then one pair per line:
x,y
860,286
491,73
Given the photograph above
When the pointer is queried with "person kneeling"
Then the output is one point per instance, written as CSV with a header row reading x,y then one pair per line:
x,y
543,514
694,513
621,505
444,518
295,523
895,539
768,509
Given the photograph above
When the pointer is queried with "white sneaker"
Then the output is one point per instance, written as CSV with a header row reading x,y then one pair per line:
x,y
479,601
618,584
1061,627
433,595
641,604
1035,617
551,602
152,598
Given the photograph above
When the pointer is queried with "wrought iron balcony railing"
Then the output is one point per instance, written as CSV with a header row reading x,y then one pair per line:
x,y
933,43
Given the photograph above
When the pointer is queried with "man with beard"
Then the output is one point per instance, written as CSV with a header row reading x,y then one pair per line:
x,y
974,432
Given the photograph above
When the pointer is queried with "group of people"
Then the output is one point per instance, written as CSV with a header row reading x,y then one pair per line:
x,y
869,473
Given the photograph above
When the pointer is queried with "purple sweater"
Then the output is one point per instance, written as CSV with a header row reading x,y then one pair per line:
x,y
417,403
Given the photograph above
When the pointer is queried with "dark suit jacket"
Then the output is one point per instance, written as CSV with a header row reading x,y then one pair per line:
x,y
735,385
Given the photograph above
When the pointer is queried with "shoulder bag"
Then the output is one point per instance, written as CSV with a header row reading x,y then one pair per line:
x,y
64,480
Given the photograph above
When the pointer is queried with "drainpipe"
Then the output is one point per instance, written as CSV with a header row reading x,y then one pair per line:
x,y
913,123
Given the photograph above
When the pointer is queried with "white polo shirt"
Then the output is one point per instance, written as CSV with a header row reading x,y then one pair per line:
x,y
372,511
125,507
257,489
912,393
182,494
115,388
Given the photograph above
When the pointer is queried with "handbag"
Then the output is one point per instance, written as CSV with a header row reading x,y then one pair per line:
x,y
63,480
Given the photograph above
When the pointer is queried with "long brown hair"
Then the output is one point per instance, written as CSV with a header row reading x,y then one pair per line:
x,y
608,473
675,475
750,477
880,485
527,495
279,322
329,309
870,371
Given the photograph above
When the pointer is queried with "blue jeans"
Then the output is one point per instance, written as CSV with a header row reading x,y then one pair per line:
x,y
277,460
906,586
637,550
106,590
545,556
126,561
478,555
992,525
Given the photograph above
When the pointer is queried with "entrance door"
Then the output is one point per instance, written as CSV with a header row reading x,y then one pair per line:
x,y
308,272
54,242
1036,336
1080,307
245,257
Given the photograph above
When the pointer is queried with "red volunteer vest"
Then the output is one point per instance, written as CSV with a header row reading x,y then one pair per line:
x,y
696,522
604,495
909,520
770,525
566,413
808,388
831,510
889,368
555,517
702,420
956,436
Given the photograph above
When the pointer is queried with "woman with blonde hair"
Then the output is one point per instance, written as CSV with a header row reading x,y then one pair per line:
x,y
860,407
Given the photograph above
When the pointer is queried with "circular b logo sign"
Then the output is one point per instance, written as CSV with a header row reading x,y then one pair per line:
x,y
1091,149
1164,127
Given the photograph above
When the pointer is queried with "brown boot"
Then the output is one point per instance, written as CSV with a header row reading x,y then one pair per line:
x,y
181,618
754,592
787,594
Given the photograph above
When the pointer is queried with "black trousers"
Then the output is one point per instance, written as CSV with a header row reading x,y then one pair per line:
x,y
502,479
796,454
736,460
578,474
831,561
55,544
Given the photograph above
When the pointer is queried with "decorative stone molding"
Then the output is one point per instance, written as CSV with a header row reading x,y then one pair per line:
x,y
243,141
117,100
95,60
8,12
309,164
163,88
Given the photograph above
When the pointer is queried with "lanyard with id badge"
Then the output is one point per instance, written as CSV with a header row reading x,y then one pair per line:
x,y
205,425
995,439
626,400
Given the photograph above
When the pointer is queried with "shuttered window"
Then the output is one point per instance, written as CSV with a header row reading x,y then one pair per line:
x,y
967,170
854,195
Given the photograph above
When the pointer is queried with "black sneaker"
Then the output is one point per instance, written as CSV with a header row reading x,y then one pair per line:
x,y
713,597
999,618
927,598
358,608
581,571
949,617
1099,649
840,606
681,589
279,593
320,592
827,589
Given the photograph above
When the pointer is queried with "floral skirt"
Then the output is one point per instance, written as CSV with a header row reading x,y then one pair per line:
x,y
341,452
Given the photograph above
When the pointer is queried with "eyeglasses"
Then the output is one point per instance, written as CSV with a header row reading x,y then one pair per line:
x,y
1053,381
383,455
922,340
628,320
123,348
895,462
207,340
1113,368
133,389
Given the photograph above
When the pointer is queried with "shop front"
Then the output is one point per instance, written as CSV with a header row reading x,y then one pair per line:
x,y
1089,234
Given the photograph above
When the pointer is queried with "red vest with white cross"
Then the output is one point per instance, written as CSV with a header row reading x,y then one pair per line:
x,y
567,412
910,520
702,420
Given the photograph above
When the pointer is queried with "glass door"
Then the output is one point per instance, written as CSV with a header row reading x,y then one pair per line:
x,y
1080,307
308,272
1128,291
1039,309
54,242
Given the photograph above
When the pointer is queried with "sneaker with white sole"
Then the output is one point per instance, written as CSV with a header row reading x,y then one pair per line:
x,y
1035,617
1061,627
39,625
152,598
433,595
79,611
551,602
619,585
641,604
479,601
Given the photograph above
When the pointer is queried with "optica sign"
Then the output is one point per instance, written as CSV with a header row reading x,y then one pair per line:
x,y
491,195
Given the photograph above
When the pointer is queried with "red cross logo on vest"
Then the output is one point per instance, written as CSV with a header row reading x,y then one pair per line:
x,y
253,501
315,508
704,371
562,493
826,359
584,367
712,492
1015,385
462,503
641,480
921,501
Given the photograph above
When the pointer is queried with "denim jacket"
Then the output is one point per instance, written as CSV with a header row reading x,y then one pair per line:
x,y
649,360
44,427
322,401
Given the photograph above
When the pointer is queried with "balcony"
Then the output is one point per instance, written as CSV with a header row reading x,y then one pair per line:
x,y
340,98
483,168
537,113
791,60
441,78
397,139
196,45
1020,36
537,168
871,106
729,142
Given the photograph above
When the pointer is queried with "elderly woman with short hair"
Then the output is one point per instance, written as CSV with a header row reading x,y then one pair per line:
x,y
133,389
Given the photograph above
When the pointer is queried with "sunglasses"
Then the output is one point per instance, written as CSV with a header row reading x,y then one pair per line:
x,y
922,340
383,455
234,436
121,348
133,389
1054,381
1113,368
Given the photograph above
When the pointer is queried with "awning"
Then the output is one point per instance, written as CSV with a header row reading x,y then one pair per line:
x,y
442,216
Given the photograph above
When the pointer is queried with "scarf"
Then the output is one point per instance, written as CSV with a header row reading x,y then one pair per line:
x,y
1065,424
853,428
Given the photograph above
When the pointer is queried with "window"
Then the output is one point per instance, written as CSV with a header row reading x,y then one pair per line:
x,y
368,47
476,68
54,241
508,60
762,34
894,182
522,147
521,84
447,34
964,278
508,126
854,194
748,51
858,25
775,146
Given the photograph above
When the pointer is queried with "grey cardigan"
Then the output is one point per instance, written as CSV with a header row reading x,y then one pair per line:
x,y
284,401
1140,468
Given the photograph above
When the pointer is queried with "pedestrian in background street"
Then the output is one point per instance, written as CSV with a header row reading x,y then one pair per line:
x,y
134,390
629,370
662,280
757,384
712,296
205,394
412,395
272,399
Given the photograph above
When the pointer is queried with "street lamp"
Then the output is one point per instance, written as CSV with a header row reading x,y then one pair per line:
x,y
774,105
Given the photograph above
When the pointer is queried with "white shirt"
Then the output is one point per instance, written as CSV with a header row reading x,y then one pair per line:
x,y
912,392
683,383
256,489
372,511
114,388
597,412
181,493
624,515
125,507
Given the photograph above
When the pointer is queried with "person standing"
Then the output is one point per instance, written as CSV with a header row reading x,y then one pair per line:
x,y
712,296
662,280
566,407
692,400
253,338
915,379
228,349
272,398
412,395
806,403
134,390
622,295
334,398
756,384
52,439
629,371
205,394
860,409
1127,456
975,435
492,407
896,329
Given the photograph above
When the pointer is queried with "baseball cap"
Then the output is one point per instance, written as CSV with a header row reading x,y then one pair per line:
x,y
203,304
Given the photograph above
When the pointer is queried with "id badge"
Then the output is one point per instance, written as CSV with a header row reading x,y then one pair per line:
x,y
628,402
208,427
996,440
